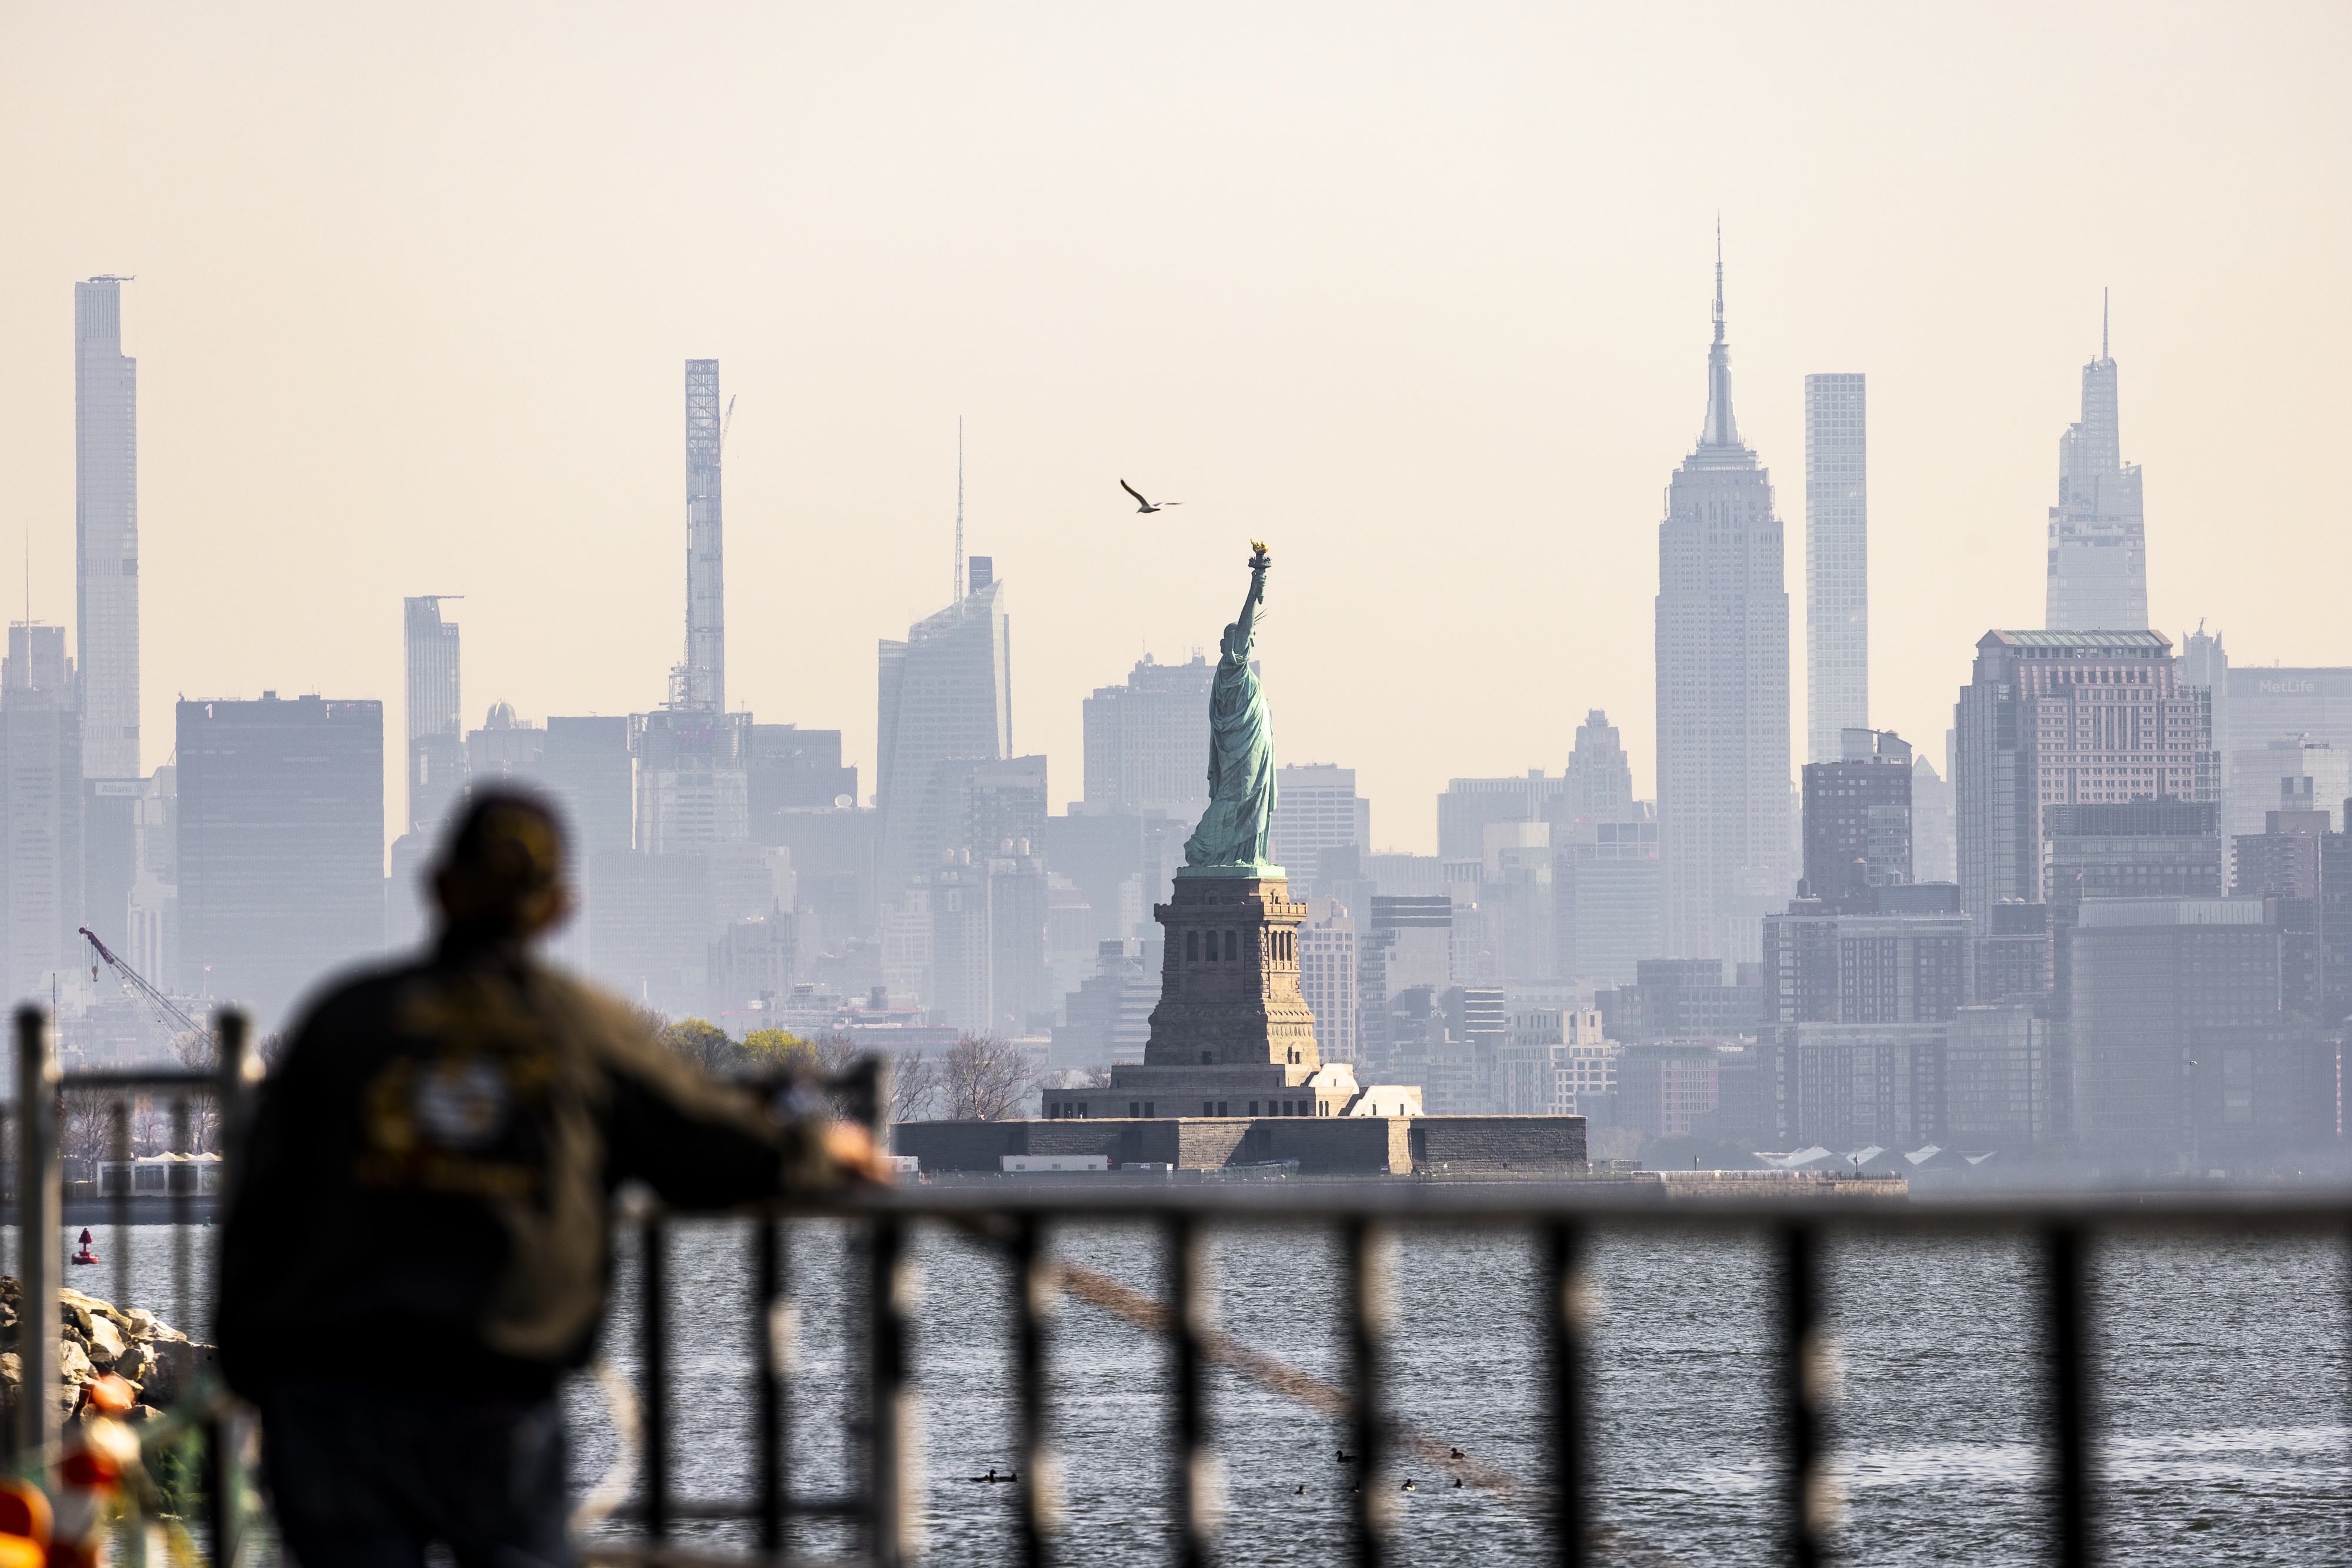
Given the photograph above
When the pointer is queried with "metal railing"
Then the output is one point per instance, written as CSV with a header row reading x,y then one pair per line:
x,y
201,1411
1015,1220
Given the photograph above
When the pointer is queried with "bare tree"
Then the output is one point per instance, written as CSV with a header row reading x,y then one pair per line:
x,y
985,1079
914,1087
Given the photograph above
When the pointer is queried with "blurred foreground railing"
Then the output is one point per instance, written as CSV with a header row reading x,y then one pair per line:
x,y
201,1106
1017,1220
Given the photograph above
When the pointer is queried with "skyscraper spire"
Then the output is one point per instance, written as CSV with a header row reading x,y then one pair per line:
x,y
1721,429
957,597
2102,323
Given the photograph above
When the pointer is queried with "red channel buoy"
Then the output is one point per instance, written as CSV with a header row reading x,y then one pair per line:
x,y
85,1255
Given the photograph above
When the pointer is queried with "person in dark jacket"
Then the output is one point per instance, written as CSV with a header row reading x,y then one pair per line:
x,y
415,1249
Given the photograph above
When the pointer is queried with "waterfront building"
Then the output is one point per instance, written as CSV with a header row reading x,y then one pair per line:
x,y
1326,977
2117,850
2055,718
1837,562
1997,1076
1722,657
2013,958
2180,1049
1906,962
1556,1061
2097,577
1857,818
106,531
1317,809
1144,740
281,846
1849,1084
41,812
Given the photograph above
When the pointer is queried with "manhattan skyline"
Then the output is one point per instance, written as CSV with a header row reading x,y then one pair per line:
x,y
323,430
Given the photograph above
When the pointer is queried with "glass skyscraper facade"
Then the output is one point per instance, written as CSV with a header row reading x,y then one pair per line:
x,y
106,531
1837,562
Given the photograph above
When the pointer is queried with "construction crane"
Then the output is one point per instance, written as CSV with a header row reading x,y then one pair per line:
x,y
166,1009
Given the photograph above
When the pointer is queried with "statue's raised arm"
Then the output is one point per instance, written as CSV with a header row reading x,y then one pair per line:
x,y
1246,623
1235,831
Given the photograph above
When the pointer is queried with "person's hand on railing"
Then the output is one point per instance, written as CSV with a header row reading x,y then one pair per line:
x,y
853,1154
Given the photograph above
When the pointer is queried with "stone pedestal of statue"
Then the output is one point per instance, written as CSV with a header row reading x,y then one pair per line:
x,y
1232,1026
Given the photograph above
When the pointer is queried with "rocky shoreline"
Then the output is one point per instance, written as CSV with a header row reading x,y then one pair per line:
x,y
96,1339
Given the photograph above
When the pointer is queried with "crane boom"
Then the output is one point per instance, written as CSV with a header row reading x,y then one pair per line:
x,y
170,1010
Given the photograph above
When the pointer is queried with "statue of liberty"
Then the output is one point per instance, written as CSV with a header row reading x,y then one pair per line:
x,y
1231,840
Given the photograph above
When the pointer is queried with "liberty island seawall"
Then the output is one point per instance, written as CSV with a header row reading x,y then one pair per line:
x,y
2223,1388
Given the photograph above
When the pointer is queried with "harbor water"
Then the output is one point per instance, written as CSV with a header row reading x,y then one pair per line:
x,y
2222,1376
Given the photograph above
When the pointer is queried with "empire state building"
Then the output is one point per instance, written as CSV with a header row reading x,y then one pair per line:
x,y
1722,688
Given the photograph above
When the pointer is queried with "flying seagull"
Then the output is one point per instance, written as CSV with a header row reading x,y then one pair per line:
x,y
1140,504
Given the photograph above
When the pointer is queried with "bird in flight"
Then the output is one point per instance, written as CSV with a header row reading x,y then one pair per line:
x,y
1140,504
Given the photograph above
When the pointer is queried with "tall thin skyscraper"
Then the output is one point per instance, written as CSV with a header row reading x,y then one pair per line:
x,y
1722,688
701,681
2098,541
106,531
436,731
1837,562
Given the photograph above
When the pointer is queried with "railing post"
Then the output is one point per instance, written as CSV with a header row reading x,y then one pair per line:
x,y
888,1477
1809,1372
653,1286
223,1481
1367,1284
1035,1292
1564,1321
2069,1395
39,1218
771,1328
1199,1487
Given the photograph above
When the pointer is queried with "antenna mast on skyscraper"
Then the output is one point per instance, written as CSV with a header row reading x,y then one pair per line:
x,y
2102,323
958,585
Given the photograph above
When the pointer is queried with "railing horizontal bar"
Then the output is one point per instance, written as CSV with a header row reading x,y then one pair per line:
x,y
633,1511
129,1078
1407,1202
684,1557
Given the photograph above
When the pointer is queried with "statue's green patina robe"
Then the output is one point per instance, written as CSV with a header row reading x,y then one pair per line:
x,y
1236,828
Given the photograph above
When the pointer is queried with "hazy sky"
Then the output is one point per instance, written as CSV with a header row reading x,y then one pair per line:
x,y
1419,294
